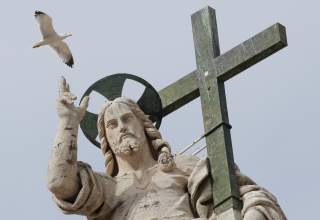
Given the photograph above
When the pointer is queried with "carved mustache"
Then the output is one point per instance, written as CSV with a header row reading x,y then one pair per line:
x,y
124,135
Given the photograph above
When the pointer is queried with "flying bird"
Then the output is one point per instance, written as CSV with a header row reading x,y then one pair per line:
x,y
51,38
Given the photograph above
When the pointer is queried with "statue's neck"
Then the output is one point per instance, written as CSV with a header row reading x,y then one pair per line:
x,y
137,161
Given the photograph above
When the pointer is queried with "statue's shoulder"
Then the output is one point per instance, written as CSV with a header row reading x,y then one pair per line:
x,y
197,171
186,163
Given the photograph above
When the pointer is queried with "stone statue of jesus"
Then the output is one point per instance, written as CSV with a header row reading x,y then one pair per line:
x,y
143,181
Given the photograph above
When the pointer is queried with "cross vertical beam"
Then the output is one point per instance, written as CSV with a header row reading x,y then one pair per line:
x,y
214,108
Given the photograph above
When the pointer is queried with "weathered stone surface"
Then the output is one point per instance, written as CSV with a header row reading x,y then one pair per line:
x,y
143,180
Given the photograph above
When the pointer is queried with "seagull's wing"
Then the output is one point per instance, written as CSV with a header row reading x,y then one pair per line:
x,y
63,51
45,23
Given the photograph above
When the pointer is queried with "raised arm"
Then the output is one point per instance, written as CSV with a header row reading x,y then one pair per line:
x,y
62,179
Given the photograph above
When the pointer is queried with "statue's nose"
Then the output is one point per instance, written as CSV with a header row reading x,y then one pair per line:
x,y
123,127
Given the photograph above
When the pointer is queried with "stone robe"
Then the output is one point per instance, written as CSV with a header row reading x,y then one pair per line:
x,y
182,194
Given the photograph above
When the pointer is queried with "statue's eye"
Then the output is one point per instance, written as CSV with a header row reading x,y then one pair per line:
x,y
112,124
127,118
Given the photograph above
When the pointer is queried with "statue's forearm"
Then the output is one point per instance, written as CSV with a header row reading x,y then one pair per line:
x,y
63,178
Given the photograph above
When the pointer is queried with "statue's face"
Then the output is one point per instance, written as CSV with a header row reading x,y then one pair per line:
x,y
125,132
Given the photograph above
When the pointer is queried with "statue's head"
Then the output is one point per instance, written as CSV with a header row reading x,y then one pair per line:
x,y
124,129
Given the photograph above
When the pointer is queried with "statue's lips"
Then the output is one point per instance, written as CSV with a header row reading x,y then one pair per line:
x,y
123,136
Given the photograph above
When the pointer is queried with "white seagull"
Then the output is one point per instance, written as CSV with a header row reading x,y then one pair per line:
x,y
51,38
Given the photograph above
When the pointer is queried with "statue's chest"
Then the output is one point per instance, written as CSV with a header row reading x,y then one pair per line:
x,y
153,180
150,196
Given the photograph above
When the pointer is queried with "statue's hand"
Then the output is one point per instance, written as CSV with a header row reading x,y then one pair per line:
x,y
166,161
65,104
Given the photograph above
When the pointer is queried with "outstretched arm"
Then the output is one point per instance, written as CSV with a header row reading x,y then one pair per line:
x,y
62,179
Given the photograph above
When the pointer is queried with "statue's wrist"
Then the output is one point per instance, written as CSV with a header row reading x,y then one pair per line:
x,y
68,123
67,131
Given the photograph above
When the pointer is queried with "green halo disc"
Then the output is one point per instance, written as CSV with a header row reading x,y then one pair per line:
x,y
111,87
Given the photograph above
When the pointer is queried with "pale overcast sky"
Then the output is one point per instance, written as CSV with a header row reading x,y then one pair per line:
x,y
273,106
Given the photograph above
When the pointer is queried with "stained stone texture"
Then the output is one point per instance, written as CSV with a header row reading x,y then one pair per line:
x,y
142,179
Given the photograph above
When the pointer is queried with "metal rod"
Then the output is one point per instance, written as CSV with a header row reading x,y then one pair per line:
x,y
199,150
204,135
190,145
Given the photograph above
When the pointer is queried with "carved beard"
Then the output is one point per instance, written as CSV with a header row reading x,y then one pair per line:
x,y
127,146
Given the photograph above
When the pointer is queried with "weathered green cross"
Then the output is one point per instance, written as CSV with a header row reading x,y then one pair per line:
x,y
207,82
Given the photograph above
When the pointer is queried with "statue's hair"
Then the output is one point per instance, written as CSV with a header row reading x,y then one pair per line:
x,y
157,145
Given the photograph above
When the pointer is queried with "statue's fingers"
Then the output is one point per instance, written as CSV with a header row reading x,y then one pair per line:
x,y
71,96
67,98
62,86
84,103
59,100
67,87
83,107
64,100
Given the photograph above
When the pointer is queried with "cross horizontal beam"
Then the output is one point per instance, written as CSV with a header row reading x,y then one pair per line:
x,y
226,66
